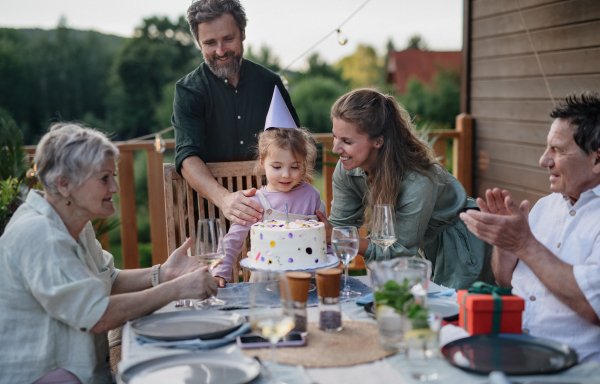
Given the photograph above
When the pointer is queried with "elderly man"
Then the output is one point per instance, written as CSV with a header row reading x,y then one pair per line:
x,y
221,106
551,256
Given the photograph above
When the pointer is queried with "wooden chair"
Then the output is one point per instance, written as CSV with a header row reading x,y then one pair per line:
x,y
183,210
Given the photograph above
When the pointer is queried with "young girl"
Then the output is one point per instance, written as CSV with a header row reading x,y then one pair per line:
x,y
383,162
287,155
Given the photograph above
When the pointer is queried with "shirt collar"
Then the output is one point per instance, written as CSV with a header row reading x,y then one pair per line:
x,y
359,172
35,199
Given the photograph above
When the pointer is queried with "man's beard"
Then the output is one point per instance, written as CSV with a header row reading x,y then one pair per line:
x,y
225,70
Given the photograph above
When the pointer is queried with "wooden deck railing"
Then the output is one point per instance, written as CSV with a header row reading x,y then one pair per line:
x,y
462,169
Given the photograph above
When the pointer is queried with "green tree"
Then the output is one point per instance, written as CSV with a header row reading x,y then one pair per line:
x,y
264,57
318,67
313,98
416,42
438,103
160,53
363,68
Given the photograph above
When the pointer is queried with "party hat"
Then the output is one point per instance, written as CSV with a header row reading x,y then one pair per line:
x,y
279,115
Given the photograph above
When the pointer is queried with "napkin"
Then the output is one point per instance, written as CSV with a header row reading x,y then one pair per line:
x,y
194,343
369,298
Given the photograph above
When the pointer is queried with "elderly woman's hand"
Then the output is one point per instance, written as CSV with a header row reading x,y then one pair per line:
x,y
328,226
179,263
199,284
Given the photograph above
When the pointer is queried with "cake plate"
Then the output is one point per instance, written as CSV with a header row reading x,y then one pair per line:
x,y
330,263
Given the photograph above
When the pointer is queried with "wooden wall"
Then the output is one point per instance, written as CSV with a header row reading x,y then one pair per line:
x,y
506,94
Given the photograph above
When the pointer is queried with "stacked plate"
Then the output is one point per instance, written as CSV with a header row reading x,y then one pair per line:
x,y
201,367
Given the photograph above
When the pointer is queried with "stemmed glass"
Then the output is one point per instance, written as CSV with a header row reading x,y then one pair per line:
x,y
383,227
270,311
344,241
208,236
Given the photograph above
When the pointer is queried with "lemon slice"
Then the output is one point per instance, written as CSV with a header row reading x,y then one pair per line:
x,y
421,334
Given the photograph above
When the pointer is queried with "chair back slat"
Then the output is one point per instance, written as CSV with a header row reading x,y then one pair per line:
x,y
181,203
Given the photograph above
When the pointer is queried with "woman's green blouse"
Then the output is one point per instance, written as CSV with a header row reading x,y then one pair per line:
x,y
427,223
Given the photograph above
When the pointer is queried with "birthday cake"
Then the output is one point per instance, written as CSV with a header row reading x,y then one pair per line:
x,y
277,244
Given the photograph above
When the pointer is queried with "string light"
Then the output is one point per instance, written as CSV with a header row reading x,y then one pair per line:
x,y
31,172
342,39
159,143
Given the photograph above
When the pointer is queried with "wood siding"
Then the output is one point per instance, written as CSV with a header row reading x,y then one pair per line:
x,y
507,96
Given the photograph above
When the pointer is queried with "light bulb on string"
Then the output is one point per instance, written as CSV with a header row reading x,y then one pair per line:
x,y
31,172
342,39
159,143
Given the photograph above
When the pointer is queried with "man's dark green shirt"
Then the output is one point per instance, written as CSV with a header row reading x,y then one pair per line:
x,y
219,122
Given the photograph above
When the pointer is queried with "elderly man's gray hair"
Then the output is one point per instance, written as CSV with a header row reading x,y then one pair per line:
x,y
203,11
73,151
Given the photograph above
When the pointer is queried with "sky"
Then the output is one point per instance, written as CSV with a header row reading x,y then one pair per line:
x,y
288,27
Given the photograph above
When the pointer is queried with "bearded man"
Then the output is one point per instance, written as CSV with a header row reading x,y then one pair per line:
x,y
221,106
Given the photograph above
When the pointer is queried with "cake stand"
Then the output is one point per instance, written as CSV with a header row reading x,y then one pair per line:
x,y
331,262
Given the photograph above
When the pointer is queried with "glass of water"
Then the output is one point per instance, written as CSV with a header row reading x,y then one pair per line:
x,y
423,346
344,241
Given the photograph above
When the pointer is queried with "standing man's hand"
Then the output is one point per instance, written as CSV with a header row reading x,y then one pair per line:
x,y
239,208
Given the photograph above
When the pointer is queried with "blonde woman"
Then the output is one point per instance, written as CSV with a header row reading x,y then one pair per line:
x,y
383,162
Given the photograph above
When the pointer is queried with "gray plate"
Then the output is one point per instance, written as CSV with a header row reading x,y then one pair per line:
x,y
443,306
184,325
193,368
331,261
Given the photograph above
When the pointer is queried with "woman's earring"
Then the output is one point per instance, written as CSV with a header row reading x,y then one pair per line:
x,y
68,202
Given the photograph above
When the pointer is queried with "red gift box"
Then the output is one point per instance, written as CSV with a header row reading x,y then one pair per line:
x,y
477,312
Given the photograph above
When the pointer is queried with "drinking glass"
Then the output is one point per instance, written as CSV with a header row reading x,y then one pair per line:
x,y
344,241
383,227
423,346
271,311
208,236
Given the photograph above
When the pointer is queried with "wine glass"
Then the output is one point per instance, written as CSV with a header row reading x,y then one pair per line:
x,y
208,236
383,227
270,311
344,241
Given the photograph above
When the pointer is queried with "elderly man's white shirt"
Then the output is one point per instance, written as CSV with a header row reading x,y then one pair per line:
x,y
53,289
572,233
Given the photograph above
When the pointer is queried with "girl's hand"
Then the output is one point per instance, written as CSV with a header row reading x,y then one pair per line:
x,y
221,281
328,226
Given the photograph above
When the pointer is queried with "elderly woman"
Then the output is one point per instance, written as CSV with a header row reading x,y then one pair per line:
x,y
59,291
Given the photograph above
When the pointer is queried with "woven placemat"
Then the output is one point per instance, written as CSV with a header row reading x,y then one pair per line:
x,y
357,343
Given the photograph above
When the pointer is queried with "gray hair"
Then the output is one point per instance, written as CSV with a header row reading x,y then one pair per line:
x,y
203,11
71,150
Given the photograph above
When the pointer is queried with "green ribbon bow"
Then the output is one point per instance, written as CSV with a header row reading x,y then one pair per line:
x,y
479,287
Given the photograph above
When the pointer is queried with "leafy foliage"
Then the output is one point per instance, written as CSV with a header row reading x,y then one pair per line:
x,y
313,98
362,68
10,199
13,158
438,103
401,299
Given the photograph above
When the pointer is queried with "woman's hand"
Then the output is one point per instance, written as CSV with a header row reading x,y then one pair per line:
x,y
199,284
179,263
328,226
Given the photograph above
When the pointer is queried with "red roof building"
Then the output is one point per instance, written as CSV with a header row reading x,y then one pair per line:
x,y
423,65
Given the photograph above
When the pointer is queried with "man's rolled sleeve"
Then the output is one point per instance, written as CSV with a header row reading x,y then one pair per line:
x,y
190,124
587,279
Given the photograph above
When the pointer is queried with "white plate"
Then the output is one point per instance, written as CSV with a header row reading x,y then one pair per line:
x,y
331,261
193,368
185,325
443,305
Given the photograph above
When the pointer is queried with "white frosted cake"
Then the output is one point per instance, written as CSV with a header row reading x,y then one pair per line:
x,y
295,245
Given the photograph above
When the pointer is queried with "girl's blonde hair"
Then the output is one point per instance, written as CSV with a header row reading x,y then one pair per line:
x,y
378,115
299,141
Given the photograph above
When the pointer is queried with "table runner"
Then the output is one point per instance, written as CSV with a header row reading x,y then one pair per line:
x,y
238,295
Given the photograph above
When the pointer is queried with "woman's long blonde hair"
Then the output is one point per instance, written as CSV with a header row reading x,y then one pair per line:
x,y
378,115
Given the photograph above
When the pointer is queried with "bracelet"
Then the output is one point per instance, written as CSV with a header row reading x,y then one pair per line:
x,y
155,273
